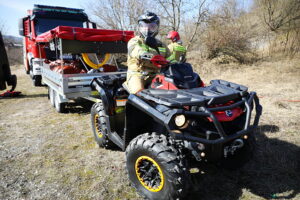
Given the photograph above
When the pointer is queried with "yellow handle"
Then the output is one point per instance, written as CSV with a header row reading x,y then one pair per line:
x,y
93,65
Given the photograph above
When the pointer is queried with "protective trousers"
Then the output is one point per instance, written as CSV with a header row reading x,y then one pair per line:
x,y
138,81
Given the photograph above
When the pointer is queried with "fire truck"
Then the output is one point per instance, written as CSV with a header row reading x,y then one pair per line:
x,y
64,51
39,20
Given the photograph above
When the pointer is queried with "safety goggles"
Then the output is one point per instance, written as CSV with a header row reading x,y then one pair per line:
x,y
148,29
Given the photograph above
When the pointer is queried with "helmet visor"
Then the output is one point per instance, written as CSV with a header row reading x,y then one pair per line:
x,y
148,29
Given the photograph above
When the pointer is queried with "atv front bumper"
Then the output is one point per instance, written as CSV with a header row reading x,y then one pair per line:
x,y
249,103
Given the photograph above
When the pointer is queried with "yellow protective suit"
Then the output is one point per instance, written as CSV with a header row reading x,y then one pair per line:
x,y
141,72
176,51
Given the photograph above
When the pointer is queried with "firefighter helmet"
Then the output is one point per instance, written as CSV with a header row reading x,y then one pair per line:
x,y
148,24
174,36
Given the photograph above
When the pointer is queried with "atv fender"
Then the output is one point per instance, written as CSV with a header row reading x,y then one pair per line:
x,y
141,118
106,97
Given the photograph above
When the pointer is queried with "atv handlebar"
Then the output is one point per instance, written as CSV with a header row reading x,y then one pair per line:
x,y
157,60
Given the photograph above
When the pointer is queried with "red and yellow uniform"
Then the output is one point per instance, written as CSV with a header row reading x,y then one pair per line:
x,y
177,51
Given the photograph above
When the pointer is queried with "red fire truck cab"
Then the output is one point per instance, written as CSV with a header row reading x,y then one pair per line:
x,y
40,20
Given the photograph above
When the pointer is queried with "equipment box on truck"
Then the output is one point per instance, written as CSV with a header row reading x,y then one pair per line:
x,y
67,75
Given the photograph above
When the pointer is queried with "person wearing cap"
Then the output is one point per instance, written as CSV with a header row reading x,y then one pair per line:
x,y
141,71
178,52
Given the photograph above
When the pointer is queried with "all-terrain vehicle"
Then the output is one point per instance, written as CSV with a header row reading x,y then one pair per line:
x,y
172,125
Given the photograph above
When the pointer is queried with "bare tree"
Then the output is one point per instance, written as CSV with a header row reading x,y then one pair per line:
x,y
281,14
172,12
182,15
282,19
202,12
228,33
117,14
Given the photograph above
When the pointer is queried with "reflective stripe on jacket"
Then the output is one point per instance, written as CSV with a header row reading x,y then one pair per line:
x,y
177,51
136,48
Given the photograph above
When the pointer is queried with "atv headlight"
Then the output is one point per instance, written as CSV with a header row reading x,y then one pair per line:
x,y
180,120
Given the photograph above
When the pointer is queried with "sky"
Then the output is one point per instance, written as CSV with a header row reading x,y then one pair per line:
x,y
12,10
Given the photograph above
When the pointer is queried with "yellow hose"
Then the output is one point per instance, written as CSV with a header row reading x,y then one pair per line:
x,y
93,65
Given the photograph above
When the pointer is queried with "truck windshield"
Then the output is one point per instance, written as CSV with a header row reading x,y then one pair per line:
x,y
44,25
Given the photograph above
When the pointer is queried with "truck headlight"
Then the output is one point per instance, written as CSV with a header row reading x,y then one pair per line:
x,y
180,120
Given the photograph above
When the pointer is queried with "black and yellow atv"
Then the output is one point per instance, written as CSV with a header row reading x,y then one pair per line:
x,y
164,131
174,125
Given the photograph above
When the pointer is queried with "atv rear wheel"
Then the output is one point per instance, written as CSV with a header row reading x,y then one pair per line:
x,y
99,126
155,167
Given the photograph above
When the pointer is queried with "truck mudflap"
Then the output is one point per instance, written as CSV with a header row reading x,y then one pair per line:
x,y
5,74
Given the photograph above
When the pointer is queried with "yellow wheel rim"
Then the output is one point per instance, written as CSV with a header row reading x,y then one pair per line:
x,y
97,126
142,177
93,65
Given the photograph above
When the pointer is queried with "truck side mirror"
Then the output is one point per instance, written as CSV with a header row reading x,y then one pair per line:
x,y
21,27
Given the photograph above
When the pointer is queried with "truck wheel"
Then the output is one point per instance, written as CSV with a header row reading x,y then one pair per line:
x,y
99,126
155,167
37,81
51,96
60,107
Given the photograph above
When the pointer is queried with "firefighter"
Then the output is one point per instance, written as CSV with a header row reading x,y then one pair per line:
x,y
141,71
178,52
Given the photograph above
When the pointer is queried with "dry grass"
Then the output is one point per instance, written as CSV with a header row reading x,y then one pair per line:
x,y
274,171
46,155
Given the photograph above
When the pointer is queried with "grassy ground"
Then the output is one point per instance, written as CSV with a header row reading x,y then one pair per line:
x,y
46,155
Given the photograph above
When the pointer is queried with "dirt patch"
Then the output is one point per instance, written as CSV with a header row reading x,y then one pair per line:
x,y
47,155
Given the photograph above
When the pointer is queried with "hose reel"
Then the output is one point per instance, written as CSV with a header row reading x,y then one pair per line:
x,y
93,65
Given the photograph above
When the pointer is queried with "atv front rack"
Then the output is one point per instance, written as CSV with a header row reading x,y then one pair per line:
x,y
217,93
201,99
208,112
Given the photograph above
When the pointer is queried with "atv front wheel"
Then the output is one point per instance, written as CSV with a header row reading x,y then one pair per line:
x,y
155,167
99,126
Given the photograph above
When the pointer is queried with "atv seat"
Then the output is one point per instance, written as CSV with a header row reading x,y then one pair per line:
x,y
183,75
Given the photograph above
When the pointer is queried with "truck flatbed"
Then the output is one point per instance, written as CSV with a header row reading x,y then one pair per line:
x,y
71,86
72,40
